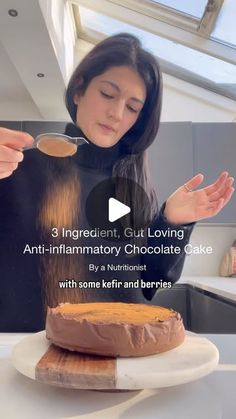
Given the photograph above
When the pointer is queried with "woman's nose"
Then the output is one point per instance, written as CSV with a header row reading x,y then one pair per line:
x,y
116,110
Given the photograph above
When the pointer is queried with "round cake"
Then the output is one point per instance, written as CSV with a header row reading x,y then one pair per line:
x,y
114,329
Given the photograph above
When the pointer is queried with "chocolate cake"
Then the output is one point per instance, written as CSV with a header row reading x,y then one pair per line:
x,y
114,329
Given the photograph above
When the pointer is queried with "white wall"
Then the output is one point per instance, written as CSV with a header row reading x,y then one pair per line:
x,y
220,238
184,101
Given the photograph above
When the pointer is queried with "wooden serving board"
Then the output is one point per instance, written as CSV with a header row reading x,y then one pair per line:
x,y
36,358
59,367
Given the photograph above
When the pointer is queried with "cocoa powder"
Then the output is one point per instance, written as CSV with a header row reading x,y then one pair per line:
x,y
56,147
114,312
60,208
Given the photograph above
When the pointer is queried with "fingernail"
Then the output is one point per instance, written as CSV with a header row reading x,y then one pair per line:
x,y
230,181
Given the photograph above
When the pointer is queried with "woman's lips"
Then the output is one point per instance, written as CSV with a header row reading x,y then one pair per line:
x,y
106,128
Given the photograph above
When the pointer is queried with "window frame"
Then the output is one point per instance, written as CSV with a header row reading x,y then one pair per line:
x,y
192,40
148,22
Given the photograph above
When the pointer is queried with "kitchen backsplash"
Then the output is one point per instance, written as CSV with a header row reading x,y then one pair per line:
x,y
217,237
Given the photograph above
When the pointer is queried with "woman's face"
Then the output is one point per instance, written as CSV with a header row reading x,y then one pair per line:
x,y
110,105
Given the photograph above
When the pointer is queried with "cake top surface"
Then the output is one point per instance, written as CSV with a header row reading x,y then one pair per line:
x,y
113,312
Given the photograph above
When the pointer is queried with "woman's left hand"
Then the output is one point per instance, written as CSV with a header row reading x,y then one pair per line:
x,y
187,205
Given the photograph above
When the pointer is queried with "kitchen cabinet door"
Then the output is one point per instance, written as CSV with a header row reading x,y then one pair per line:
x,y
35,128
214,150
171,158
16,125
211,313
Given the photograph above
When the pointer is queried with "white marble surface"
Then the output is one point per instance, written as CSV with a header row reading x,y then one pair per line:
x,y
212,397
226,287
195,358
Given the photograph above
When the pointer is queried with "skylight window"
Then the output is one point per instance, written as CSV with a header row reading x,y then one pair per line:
x,y
190,7
210,69
225,28
194,40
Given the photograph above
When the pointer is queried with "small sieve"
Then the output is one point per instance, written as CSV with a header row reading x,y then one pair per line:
x,y
57,145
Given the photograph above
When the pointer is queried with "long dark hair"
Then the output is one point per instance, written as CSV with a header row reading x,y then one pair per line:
x,y
119,50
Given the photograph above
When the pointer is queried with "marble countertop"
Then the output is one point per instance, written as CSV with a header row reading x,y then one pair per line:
x,y
226,287
212,397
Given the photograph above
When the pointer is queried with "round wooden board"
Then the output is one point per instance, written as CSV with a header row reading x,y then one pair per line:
x,y
36,358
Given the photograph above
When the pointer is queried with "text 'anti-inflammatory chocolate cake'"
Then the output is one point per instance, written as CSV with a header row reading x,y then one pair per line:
x,y
114,329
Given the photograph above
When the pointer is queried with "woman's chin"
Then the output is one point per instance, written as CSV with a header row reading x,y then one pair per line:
x,y
104,142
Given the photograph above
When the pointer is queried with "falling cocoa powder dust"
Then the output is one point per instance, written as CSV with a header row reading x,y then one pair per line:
x,y
60,208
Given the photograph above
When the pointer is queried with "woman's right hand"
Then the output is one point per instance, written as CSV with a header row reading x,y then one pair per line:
x,y
11,145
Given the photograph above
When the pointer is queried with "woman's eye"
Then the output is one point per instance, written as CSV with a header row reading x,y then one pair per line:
x,y
132,109
106,95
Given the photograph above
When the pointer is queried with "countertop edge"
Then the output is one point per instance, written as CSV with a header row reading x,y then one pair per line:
x,y
225,287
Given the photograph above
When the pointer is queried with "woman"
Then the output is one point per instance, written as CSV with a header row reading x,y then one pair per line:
x,y
114,99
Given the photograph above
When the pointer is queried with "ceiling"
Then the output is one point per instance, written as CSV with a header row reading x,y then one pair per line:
x,y
26,52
